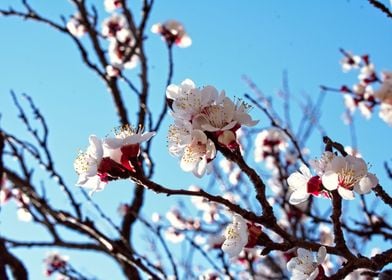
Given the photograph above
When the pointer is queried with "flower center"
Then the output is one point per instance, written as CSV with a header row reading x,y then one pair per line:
x,y
314,185
215,115
348,177
82,163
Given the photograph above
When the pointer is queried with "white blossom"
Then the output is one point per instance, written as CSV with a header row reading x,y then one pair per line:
x,y
386,113
303,267
236,236
173,32
347,174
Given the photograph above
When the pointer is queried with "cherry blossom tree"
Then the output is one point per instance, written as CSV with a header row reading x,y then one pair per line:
x,y
267,207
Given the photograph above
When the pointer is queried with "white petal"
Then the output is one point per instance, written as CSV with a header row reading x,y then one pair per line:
x,y
314,274
305,171
293,263
330,180
305,255
298,196
95,147
322,252
185,41
172,91
366,184
232,248
346,194
297,181
113,143
201,168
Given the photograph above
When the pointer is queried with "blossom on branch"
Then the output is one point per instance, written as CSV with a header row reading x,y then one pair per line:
x,y
109,160
75,26
120,46
173,32
112,5
240,234
269,142
303,267
348,174
202,117
304,184
112,25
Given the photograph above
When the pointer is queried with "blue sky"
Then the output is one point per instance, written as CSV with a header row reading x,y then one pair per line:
x,y
260,39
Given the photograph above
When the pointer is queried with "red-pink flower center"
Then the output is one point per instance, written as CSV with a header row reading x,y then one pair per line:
x,y
314,185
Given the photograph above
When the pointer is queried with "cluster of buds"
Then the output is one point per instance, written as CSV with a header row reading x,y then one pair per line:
x,y
202,117
109,159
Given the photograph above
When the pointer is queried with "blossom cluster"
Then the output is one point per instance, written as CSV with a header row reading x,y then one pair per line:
x,y
303,267
203,117
362,95
122,50
347,175
109,159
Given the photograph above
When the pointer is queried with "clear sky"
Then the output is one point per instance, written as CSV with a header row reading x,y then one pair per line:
x,y
260,39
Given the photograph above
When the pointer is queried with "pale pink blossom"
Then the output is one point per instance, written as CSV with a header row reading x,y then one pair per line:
x,y
236,236
348,174
173,32
303,267
384,93
119,48
75,26
303,184
386,113
349,62
269,142
112,25
112,5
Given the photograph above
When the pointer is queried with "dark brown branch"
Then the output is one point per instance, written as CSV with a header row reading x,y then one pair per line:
x,y
381,7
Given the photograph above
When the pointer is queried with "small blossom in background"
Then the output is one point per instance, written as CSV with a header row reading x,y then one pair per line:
x,y
22,201
54,262
173,235
173,32
350,61
239,234
119,48
112,5
386,113
269,142
303,267
112,25
348,174
75,26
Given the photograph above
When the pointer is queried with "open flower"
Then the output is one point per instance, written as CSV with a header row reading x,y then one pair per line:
x,y
198,154
125,146
95,168
240,234
173,32
303,185
350,61
303,267
236,236
347,174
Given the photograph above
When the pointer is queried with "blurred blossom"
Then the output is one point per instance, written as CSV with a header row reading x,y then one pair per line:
x,y
269,142
75,25
54,262
112,5
173,32
174,235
